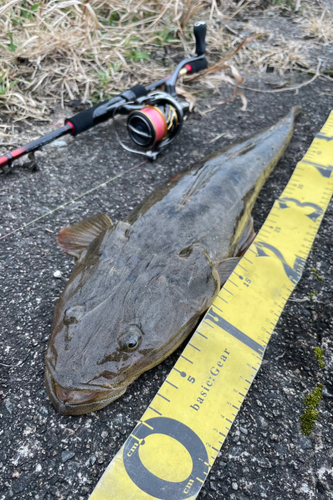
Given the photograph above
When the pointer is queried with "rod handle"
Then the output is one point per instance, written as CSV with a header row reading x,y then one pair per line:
x,y
200,29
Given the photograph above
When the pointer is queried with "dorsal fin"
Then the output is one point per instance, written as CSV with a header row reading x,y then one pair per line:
x,y
74,239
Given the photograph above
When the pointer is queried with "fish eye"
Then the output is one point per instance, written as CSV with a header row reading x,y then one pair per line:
x,y
133,343
130,340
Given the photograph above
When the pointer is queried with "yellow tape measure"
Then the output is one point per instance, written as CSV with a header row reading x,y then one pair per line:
x,y
170,452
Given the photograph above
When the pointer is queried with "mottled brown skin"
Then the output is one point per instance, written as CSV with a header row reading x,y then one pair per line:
x,y
140,287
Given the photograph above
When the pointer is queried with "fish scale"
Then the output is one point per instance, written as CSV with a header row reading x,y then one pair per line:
x,y
170,452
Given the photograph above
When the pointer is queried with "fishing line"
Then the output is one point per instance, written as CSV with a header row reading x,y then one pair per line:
x,y
73,200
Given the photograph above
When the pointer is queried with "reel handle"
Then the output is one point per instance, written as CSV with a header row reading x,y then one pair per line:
x,y
200,30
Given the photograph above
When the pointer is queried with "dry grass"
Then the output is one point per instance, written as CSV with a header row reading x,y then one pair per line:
x,y
54,51
319,28
57,50
284,55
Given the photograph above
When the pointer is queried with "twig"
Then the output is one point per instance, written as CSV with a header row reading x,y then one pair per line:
x,y
217,137
289,89
203,113
19,363
281,356
231,30
329,78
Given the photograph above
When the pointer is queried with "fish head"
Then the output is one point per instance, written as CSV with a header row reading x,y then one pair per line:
x,y
116,319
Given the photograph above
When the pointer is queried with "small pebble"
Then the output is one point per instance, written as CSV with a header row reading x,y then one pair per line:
x,y
67,455
59,144
9,406
57,274
326,393
212,486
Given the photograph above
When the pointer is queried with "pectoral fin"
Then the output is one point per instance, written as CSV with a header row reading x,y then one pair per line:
x,y
74,239
225,267
246,238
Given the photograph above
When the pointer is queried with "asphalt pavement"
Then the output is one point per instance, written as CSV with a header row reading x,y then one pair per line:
x,y
44,455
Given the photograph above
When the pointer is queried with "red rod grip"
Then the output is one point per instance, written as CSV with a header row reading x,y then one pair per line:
x,y
3,161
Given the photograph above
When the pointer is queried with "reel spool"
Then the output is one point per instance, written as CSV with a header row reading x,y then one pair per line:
x,y
154,122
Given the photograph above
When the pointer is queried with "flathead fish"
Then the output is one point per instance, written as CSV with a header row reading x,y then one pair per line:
x,y
140,286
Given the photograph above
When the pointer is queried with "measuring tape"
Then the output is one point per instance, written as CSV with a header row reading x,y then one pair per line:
x,y
170,452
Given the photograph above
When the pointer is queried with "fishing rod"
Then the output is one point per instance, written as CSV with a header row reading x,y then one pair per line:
x,y
155,117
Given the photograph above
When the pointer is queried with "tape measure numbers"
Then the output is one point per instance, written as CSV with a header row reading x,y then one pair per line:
x,y
170,452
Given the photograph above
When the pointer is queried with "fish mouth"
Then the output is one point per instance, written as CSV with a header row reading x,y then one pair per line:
x,y
78,401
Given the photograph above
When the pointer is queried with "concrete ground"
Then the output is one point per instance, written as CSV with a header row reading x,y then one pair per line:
x,y
44,455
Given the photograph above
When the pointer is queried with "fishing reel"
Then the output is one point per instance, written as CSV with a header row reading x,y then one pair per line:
x,y
153,122
156,118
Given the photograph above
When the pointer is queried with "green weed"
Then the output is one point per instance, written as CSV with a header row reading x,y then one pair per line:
x,y
114,18
28,13
136,56
319,355
317,275
105,77
164,36
12,46
311,413
4,85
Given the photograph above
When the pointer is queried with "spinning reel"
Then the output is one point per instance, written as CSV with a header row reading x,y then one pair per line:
x,y
153,122
155,117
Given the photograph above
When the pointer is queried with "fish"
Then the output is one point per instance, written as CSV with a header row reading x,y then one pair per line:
x,y
141,286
